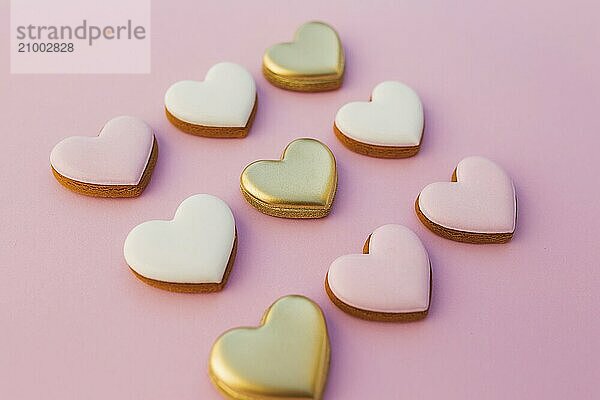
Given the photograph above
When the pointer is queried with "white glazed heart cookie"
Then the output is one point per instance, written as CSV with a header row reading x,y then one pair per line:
x,y
223,105
194,252
313,62
116,163
478,206
389,126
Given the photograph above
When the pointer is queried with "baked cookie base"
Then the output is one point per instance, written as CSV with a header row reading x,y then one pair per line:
x,y
193,287
214,131
304,84
461,236
373,150
377,315
287,212
90,189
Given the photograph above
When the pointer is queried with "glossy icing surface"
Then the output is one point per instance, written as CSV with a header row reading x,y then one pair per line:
x,y
286,357
394,277
193,247
117,156
306,175
316,50
482,200
224,99
393,117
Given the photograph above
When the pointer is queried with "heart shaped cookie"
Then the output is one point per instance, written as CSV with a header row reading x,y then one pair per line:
x,y
287,357
478,206
116,163
390,281
222,106
300,185
389,126
194,252
313,62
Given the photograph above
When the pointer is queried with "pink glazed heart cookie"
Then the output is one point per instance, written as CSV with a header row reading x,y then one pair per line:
x,y
390,281
478,206
116,163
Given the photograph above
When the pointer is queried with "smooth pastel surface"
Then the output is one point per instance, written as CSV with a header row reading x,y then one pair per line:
x,y
315,50
117,156
510,80
392,278
483,199
306,176
287,357
393,117
224,99
194,247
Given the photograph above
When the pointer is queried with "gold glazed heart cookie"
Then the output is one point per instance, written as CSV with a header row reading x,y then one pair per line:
x,y
286,357
313,62
300,185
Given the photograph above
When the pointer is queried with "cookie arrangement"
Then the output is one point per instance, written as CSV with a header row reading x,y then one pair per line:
x,y
287,354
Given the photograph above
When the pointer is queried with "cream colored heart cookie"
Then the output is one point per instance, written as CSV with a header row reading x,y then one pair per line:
x,y
390,281
223,105
478,206
116,163
194,252
287,357
389,126
300,185
313,62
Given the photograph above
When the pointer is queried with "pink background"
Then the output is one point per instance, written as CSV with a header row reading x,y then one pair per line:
x,y
512,80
